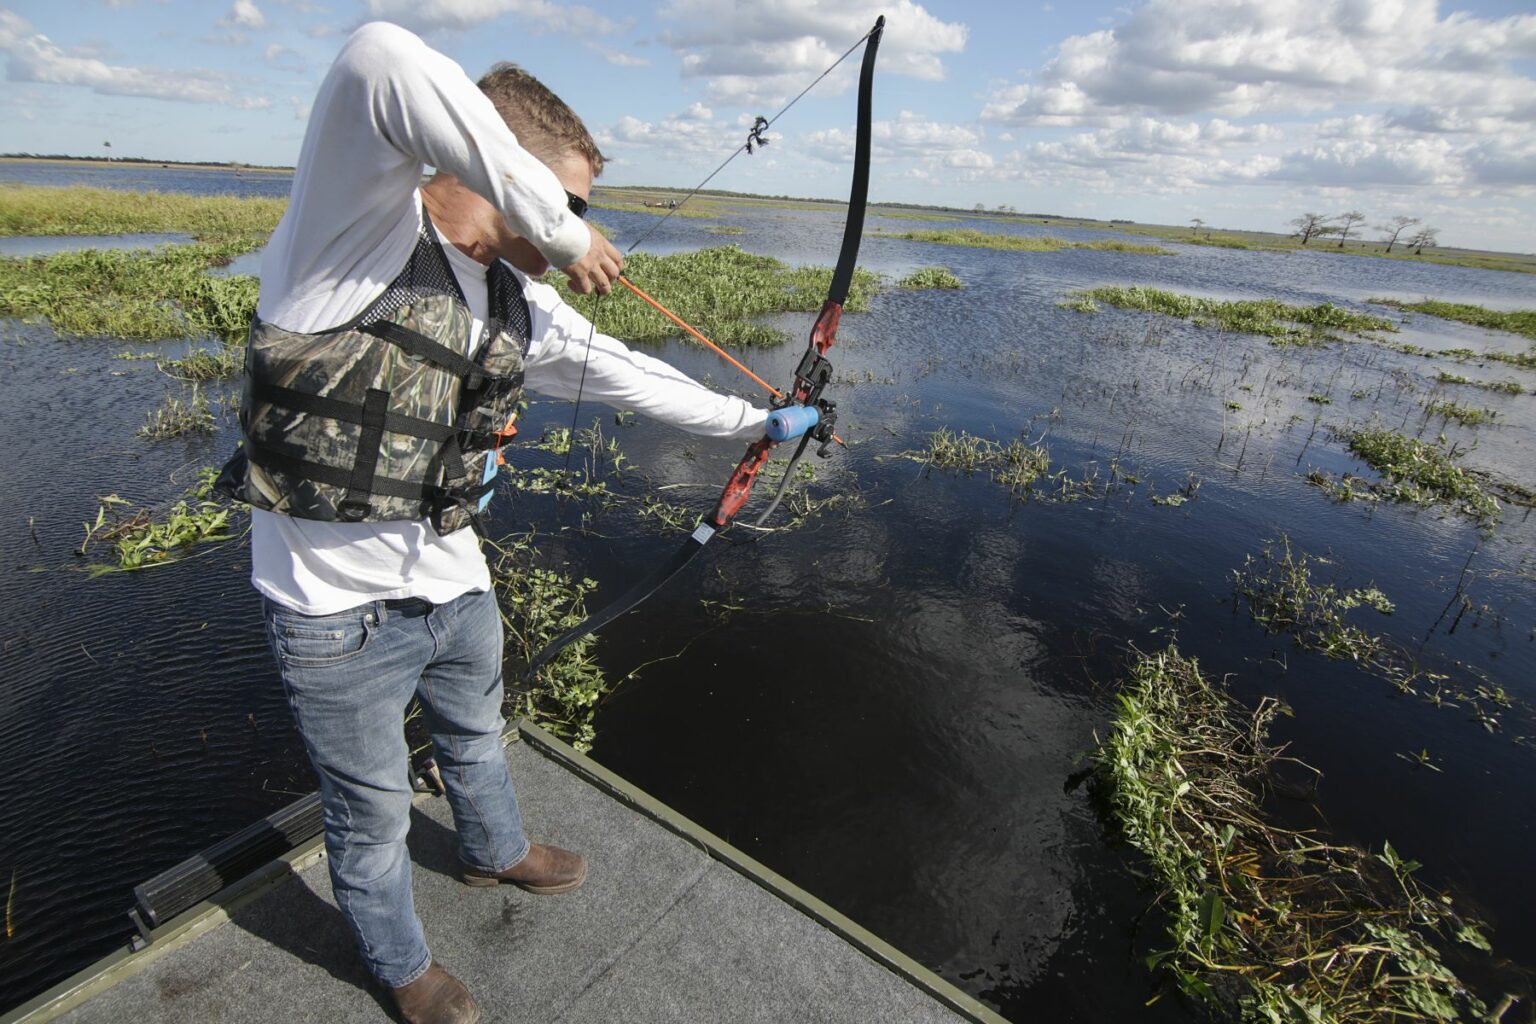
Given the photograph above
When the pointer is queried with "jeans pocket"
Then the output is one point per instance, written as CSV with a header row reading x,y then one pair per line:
x,y
312,641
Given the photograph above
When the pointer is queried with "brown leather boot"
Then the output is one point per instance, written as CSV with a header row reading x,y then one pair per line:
x,y
546,870
436,997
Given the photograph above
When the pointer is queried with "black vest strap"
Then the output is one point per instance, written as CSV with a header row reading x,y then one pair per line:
x,y
347,412
354,507
269,457
425,348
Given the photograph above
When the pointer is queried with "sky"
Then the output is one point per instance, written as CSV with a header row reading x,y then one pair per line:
x,y
1242,113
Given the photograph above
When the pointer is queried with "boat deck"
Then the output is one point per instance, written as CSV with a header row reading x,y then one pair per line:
x,y
672,925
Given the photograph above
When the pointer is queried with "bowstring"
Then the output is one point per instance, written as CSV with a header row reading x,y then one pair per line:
x,y
597,299
746,145
586,360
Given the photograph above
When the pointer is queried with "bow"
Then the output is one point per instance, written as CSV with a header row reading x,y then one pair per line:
x,y
800,411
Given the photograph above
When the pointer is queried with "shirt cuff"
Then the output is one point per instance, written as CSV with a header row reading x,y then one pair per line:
x,y
568,243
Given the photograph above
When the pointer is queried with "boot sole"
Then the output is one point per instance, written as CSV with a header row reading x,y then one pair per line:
x,y
488,881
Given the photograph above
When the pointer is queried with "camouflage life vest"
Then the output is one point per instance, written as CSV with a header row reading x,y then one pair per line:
x,y
386,417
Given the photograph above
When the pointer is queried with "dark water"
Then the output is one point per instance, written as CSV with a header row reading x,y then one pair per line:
x,y
893,716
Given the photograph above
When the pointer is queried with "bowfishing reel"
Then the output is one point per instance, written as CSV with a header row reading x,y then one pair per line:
x,y
807,412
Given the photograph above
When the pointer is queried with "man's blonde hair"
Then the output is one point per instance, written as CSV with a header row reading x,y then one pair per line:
x,y
542,122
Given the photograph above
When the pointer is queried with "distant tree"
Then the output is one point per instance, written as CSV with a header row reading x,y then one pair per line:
x,y
1198,224
1424,239
108,147
1310,225
1347,222
981,207
1397,227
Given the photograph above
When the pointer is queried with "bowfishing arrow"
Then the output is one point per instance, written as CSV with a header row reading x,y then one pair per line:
x,y
800,411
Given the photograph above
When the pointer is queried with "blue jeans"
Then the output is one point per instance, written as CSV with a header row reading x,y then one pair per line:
x,y
349,678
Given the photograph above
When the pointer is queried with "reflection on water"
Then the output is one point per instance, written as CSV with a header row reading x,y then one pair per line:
x,y
887,705
133,177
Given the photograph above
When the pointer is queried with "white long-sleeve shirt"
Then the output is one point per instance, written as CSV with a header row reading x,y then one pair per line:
x,y
389,105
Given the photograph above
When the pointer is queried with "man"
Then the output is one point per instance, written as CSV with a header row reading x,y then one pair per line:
x,y
387,355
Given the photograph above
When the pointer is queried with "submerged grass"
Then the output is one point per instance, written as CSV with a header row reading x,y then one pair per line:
x,y
1268,317
1466,415
219,363
1283,598
1503,387
1016,465
166,293
175,417
974,239
1517,321
1524,360
722,291
1267,924
33,210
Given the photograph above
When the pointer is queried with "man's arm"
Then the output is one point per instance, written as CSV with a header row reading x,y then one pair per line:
x,y
623,378
389,105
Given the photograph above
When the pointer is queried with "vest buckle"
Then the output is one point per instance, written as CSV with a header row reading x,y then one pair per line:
x,y
353,510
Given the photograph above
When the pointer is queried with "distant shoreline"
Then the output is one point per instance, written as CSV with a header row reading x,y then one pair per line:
x,y
87,161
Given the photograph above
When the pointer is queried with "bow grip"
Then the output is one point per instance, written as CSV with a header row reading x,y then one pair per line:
x,y
739,487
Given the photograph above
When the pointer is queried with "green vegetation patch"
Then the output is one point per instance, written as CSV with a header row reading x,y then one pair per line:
x,y
883,211
1503,387
139,538
1016,465
1225,242
176,416
1524,360
1268,317
221,362
1281,589
166,293
1467,415
1516,321
33,210
1266,923
1283,598
692,211
539,605
974,239
930,277
1420,472
721,291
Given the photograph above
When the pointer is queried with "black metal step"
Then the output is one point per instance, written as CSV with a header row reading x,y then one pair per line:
x,y
202,875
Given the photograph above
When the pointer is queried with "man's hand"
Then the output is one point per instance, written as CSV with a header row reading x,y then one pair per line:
x,y
598,269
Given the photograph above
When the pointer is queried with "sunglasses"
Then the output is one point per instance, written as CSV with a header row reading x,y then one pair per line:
x,y
576,204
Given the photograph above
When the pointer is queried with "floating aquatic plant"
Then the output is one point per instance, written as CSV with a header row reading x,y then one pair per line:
x,y
140,537
1266,923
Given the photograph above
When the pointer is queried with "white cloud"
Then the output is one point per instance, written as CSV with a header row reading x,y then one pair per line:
x,y
536,16
1241,57
1181,94
617,57
692,134
760,52
908,137
284,59
244,14
32,57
